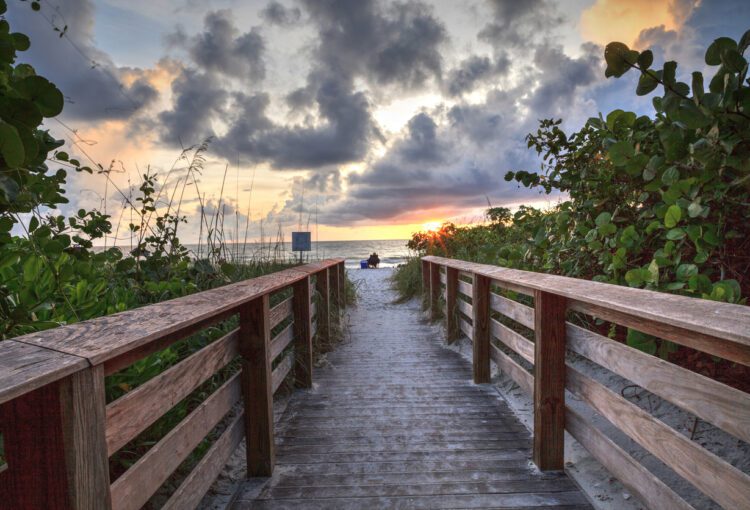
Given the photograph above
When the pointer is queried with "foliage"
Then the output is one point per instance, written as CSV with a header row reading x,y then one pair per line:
x,y
407,279
653,202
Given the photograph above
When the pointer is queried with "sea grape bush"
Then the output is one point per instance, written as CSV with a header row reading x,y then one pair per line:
x,y
659,202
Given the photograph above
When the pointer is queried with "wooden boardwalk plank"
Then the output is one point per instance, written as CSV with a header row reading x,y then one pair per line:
x,y
395,421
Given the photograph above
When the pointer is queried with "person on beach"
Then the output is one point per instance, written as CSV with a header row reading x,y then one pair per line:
x,y
373,261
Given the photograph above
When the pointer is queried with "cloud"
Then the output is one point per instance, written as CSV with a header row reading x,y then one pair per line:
x,y
92,84
222,49
277,14
517,24
612,20
473,71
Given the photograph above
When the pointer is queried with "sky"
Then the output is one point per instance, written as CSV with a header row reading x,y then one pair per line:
x,y
358,119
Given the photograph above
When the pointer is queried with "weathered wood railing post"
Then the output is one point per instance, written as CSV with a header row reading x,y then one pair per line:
x,y
335,291
55,445
425,280
434,291
342,282
303,355
480,304
451,294
549,380
257,389
324,311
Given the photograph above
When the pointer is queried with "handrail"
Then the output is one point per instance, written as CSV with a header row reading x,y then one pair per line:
x,y
496,324
58,431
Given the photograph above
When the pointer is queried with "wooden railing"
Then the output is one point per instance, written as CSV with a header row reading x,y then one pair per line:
x,y
59,432
475,306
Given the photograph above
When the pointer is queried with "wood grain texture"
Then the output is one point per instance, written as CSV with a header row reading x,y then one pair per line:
x,y
394,421
82,403
451,298
717,403
281,371
257,386
25,368
721,329
425,278
334,276
465,288
465,308
516,372
108,337
281,341
465,328
34,445
549,380
323,310
515,341
480,306
135,411
281,311
134,488
513,310
190,493
717,479
303,333
435,291
636,478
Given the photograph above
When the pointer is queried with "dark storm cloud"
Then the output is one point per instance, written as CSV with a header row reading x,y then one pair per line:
x,y
519,23
277,14
474,70
388,44
199,97
221,48
92,85
342,137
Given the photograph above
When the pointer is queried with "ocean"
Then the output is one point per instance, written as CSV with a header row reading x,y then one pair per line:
x,y
391,252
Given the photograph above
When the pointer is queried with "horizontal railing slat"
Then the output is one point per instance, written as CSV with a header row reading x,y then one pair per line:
x,y
721,329
105,338
717,403
465,288
132,413
281,341
280,312
636,478
513,310
516,372
134,488
466,328
464,307
713,476
190,493
281,371
515,341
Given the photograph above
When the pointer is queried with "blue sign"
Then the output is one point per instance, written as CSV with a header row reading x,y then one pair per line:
x,y
301,241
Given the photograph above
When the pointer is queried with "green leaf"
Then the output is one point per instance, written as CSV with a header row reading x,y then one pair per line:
x,y
646,84
43,94
698,84
621,152
645,59
717,48
3,7
641,341
603,219
670,176
619,59
685,271
11,145
20,41
673,216
675,234
733,61
691,115
695,209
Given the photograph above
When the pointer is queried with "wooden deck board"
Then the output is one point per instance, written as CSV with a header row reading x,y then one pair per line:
x,y
395,421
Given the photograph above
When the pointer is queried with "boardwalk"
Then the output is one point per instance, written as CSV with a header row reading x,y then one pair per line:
x,y
394,421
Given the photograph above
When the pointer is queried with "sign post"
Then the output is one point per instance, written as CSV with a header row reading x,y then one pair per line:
x,y
301,241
